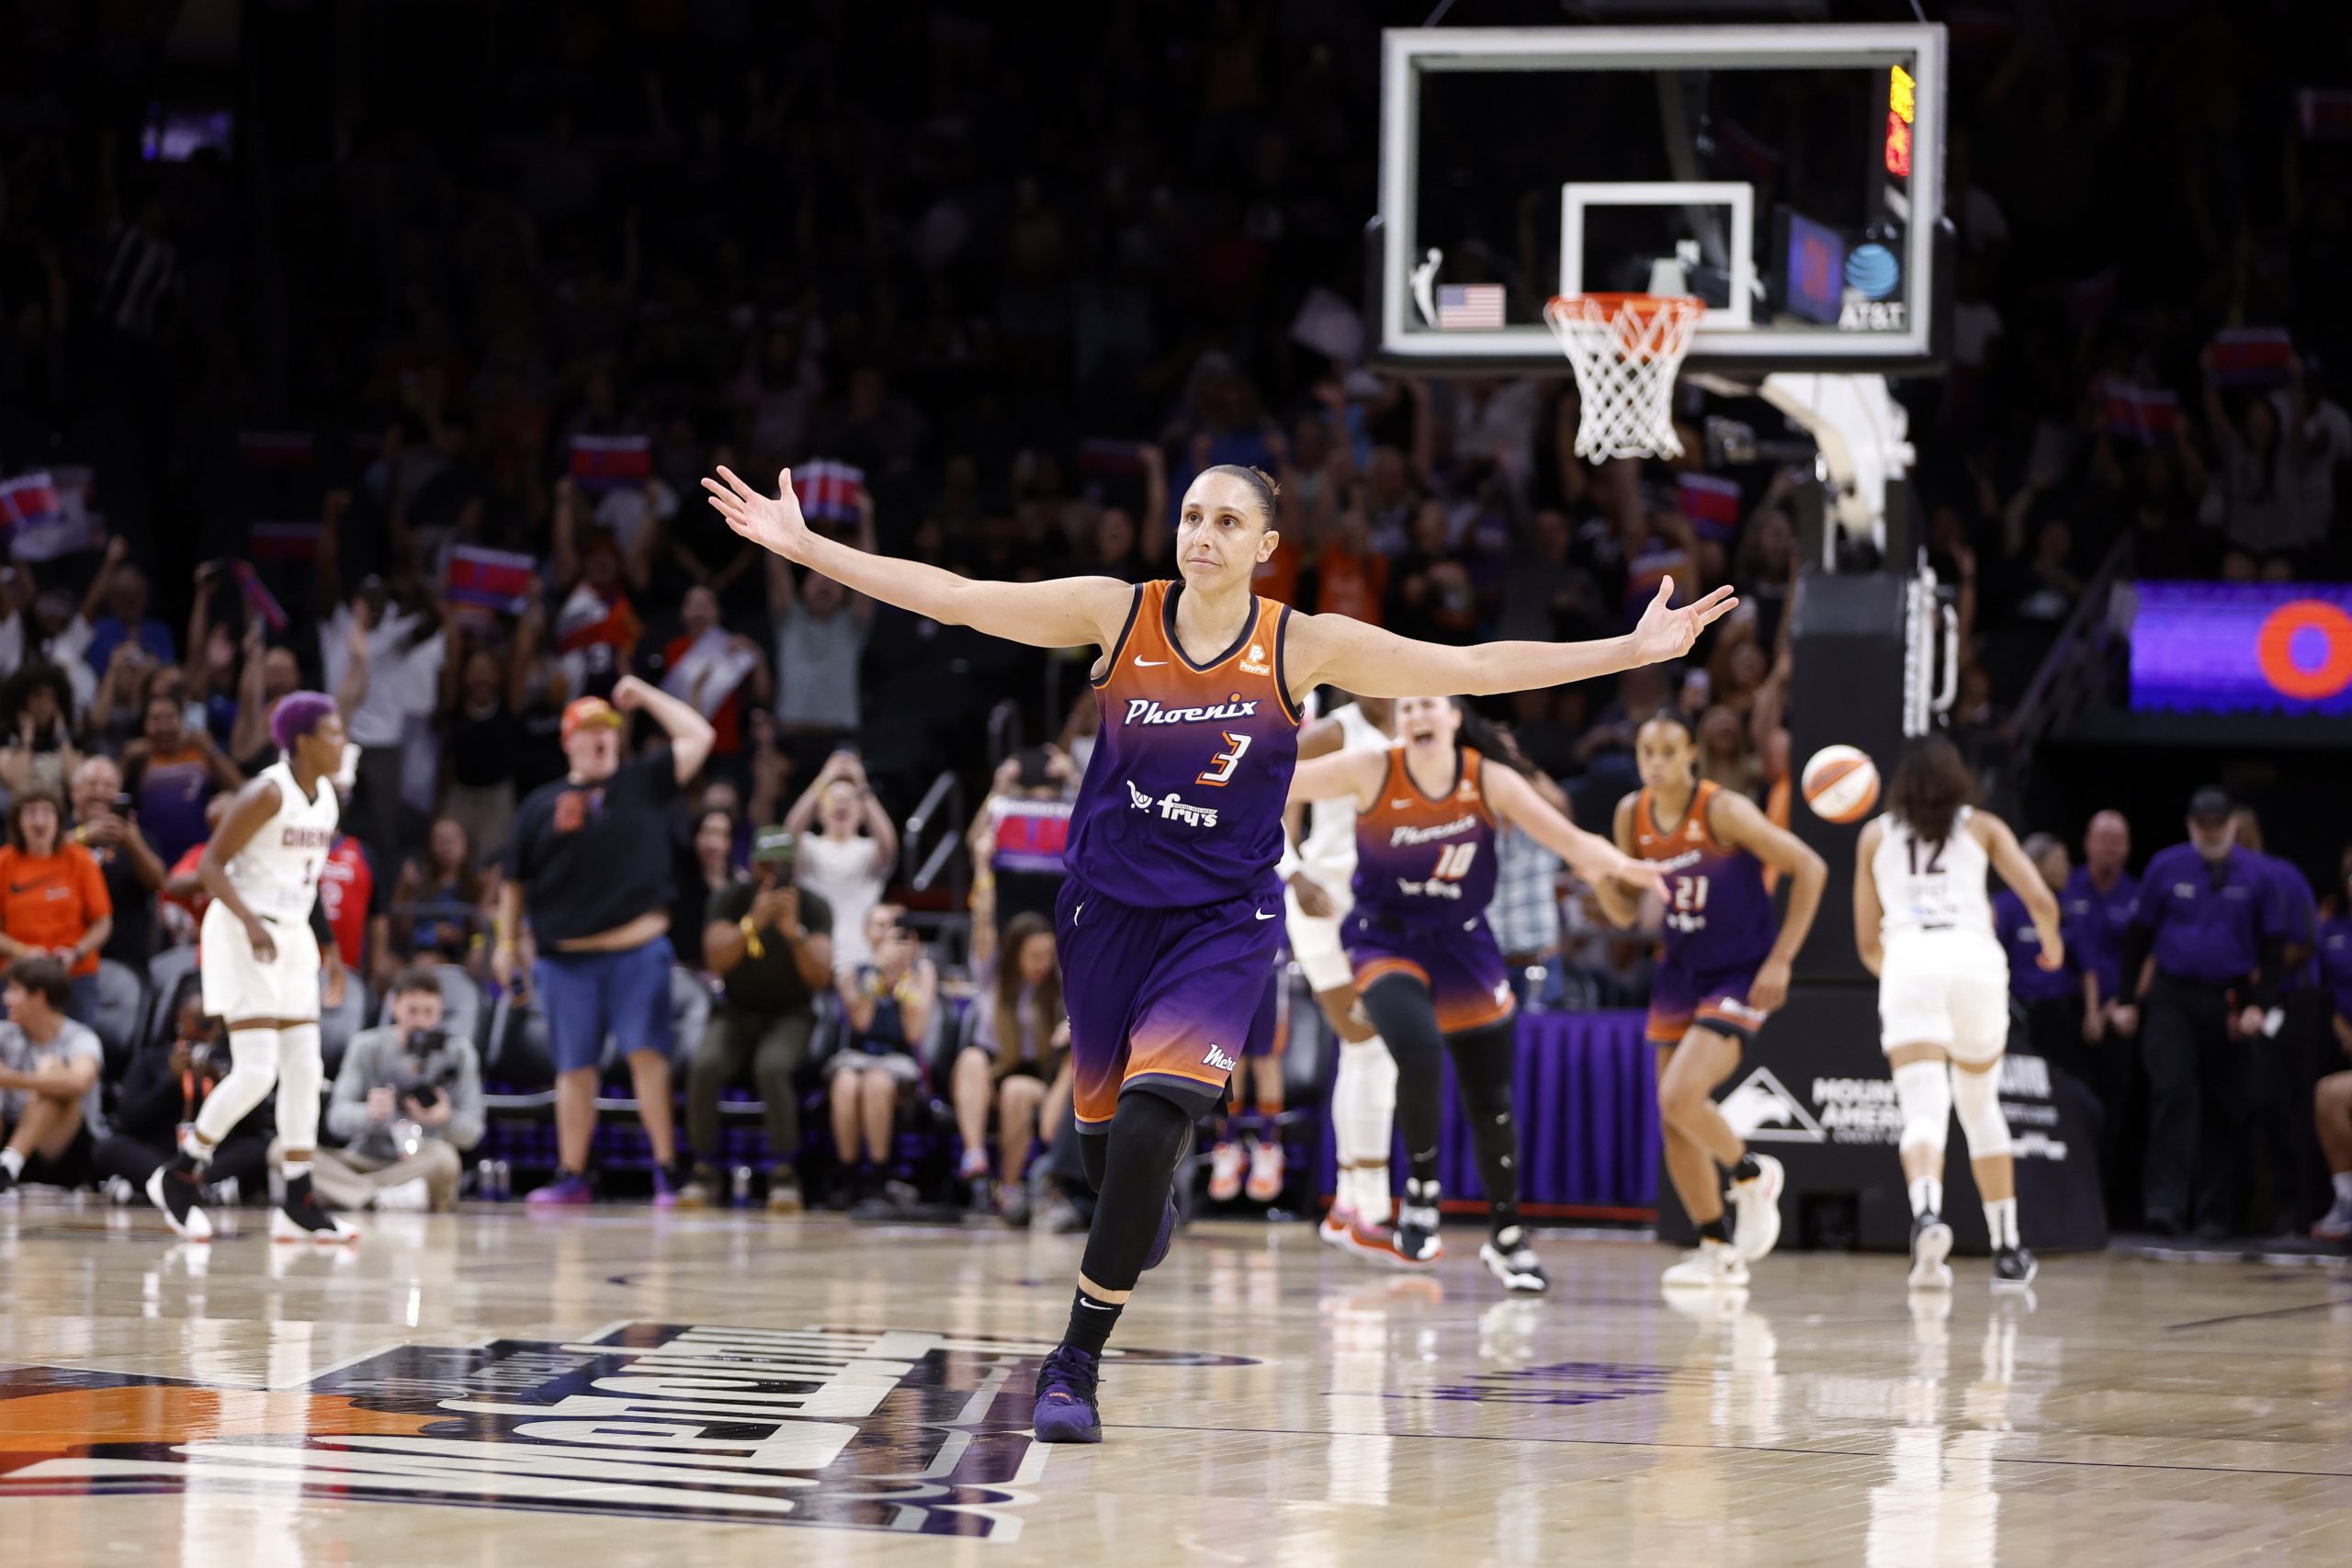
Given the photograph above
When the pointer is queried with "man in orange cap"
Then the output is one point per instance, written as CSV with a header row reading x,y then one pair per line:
x,y
590,857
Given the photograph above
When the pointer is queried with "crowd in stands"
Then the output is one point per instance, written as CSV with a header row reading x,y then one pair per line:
x,y
426,433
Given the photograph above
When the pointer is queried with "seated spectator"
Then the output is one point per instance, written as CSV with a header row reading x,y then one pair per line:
x,y
839,864
36,730
771,944
48,1081
888,1002
54,902
133,871
173,773
408,1104
437,907
1013,1064
709,872
164,1088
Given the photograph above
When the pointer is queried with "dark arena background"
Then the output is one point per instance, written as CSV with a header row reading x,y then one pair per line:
x,y
381,348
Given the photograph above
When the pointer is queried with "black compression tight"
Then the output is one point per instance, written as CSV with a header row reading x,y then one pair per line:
x,y
1131,1165
1401,1009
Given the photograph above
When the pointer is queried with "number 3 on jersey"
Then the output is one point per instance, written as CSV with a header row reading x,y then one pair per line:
x,y
1226,760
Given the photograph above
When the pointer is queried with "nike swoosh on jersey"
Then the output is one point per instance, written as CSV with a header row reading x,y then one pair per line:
x,y
1261,914
1150,663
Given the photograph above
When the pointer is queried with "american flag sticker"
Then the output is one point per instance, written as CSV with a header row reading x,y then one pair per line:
x,y
1469,306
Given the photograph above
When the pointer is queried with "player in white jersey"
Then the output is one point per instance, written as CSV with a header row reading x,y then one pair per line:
x,y
262,944
1924,924
1317,875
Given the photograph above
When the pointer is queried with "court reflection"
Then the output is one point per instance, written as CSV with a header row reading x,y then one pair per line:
x,y
1937,1504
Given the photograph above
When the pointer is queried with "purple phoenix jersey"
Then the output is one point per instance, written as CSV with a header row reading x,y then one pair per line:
x,y
1182,801
1425,873
1719,922
1169,921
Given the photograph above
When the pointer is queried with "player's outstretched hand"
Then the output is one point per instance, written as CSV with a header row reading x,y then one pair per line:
x,y
1668,633
773,523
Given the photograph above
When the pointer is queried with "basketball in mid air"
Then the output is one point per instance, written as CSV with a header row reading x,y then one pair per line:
x,y
1841,783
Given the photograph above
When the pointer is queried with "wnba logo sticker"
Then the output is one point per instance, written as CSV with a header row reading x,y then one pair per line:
x,y
908,1431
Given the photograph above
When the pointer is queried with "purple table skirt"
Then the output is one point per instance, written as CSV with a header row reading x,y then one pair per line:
x,y
1584,1091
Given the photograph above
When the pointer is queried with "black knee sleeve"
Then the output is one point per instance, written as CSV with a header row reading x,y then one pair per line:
x,y
1400,1008
1148,1138
1094,1153
1483,1062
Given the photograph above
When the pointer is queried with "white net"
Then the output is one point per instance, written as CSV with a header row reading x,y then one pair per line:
x,y
1624,349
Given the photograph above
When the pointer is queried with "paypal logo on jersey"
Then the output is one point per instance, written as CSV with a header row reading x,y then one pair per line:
x,y
1872,271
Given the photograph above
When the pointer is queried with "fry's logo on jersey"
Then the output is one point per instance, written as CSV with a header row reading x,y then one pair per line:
x,y
305,839
1435,887
904,1430
1142,710
1431,835
1172,807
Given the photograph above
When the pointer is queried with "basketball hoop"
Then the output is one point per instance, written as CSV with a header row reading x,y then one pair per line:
x,y
1625,349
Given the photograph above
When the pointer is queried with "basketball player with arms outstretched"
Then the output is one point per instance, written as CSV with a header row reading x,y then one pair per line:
x,y
1168,921
1429,969
1317,876
1725,970
1924,926
261,943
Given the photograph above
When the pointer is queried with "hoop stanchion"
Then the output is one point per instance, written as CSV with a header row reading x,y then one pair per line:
x,y
1626,350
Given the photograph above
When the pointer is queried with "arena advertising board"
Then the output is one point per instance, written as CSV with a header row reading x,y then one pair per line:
x,y
2242,648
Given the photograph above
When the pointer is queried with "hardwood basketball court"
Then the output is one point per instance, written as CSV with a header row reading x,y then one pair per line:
x,y
1277,1402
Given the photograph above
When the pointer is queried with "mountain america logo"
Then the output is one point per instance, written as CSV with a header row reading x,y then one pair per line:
x,y
905,1430
1762,1111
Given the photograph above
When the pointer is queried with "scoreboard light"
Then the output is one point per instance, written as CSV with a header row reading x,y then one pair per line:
x,y
1901,94
1898,145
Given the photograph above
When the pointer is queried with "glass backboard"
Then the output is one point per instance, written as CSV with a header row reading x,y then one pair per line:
x,y
1788,176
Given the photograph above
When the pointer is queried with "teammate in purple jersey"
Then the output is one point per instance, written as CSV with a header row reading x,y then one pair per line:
x,y
1724,970
1431,976
1167,920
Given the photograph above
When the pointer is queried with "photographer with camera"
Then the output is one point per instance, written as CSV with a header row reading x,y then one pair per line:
x,y
408,1104
771,944
165,1086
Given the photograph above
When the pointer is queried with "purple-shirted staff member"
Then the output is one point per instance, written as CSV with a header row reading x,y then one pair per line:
x,y
590,856
2206,914
1168,923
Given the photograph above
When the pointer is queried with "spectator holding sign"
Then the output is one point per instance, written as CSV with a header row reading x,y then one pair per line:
x,y
716,671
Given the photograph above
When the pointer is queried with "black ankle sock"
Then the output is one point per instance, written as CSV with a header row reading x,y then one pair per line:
x,y
1090,1322
184,1164
297,1190
1422,1167
1502,1219
1714,1230
1747,1169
